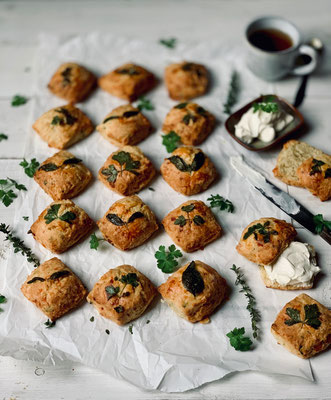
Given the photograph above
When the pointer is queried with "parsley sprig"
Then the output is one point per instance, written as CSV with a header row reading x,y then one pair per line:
x,y
321,223
30,167
171,141
53,214
3,300
238,340
166,260
7,194
263,230
145,104
126,164
233,93
19,246
312,314
3,137
18,100
217,201
95,241
170,43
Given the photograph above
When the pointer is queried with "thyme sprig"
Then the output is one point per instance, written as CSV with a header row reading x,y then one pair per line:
x,y
251,306
19,246
233,93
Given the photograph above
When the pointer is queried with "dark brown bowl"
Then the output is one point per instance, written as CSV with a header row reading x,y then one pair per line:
x,y
258,145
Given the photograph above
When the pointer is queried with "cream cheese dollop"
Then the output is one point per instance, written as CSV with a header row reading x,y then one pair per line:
x,y
261,125
295,266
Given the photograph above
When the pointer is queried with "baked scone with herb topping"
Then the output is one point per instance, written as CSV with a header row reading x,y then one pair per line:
x,y
191,122
63,176
61,225
72,82
125,125
128,223
122,294
194,291
186,80
54,289
315,175
303,327
188,171
192,226
127,171
61,127
128,81
263,240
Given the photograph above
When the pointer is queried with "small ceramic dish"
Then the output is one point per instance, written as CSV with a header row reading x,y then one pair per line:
x,y
258,145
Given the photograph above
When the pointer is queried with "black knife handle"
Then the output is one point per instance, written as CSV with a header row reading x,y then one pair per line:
x,y
326,235
301,92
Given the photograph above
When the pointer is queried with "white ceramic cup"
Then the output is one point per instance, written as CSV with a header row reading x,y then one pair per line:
x,y
273,65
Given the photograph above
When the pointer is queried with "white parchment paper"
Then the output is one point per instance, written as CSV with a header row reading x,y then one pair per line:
x,y
169,353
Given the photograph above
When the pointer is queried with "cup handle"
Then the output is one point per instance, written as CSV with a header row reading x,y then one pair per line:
x,y
308,68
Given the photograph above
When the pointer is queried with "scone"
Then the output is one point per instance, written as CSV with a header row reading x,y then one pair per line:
x,y
127,171
190,121
128,82
315,175
54,289
186,80
61,225
263,240
194,291
189,171
303,327
63,126
63,176
192,226
125,125
72,82
128,223
122,294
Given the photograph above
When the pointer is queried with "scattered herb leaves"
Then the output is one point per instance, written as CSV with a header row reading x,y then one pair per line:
x,y
312,314
233,93
144,104
131,329
238,340
53,214
321,223
49,324
151,189
171,141
148,321
107,331
170,43
166,260
18,100
263,230
217,201
30,167
7,194
92,319
3,300
57,120
130,279
3,137
181,220
192,279
26,218
110,172
95,241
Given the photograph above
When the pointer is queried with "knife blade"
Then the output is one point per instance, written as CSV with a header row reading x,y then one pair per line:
x,y
277,196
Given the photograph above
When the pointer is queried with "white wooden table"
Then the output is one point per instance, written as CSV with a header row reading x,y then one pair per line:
x,y
20,23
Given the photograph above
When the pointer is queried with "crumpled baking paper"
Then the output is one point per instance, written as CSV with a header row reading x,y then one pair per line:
x,y
169,353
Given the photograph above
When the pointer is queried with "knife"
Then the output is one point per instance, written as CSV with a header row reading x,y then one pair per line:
x,y
278,197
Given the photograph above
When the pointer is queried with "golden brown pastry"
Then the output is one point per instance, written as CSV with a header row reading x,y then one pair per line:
x,y
194,291
186,80
128,223
54,289
303,327
61,127
72,82
63,176
125,125
191,122
189,171
315,175
128,82
61,225
192,226
263,240
127,171
122,294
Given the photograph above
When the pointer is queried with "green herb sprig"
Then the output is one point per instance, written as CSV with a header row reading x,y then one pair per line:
x,y
171,141
170,43
166,260
95,241
312,314
268,105
19,246
53,214
3,300
321,223
145,104
3,137
233,93
7,194
30,167
18,100
217,201
263,230
126,164
238,340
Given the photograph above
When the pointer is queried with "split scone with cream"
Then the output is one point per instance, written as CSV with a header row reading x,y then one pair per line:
x,y
188,171
191,122
54,289
186,80
300,164
122,294
61,225
128,223
63,126
194,291
303,326
128,81
125,125
63,176
127,171
72,82
192,226
284,264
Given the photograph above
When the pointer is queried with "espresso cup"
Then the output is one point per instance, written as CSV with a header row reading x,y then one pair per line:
x,y
274,63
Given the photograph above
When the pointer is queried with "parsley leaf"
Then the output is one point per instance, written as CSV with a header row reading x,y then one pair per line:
x,y
166,260
18,100
95,241
29,168
170,43
268,105
238,340
92,319
52,214
232,93
49,324
111,291
145,104
7,195
321,223
221,202
312,314
130,279
263,230
126,162
26,218
3,137
171,141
